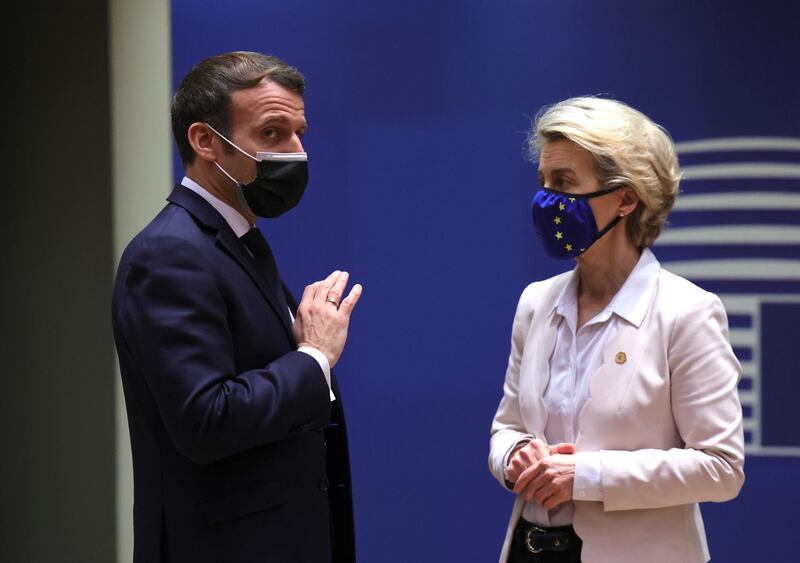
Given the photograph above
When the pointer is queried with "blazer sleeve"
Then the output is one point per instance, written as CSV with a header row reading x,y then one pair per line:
x,y
173,322
508,427
705,405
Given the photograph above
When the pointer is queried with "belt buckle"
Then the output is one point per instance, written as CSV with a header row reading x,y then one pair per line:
x,y
529,535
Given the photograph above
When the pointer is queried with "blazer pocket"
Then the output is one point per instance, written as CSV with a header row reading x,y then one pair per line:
x,y
242,503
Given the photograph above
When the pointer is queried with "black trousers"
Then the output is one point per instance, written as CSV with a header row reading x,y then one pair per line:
x,y
519,552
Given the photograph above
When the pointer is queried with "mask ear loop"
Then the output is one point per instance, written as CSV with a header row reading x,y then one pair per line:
x,y
582,196
599,193
231,143
239,188
611,223
605,229
232,179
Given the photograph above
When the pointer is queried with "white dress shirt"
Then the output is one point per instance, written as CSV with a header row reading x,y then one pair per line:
x,y
577,355
239,225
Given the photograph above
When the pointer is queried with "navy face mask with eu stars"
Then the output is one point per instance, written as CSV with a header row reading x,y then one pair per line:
x,y
565,221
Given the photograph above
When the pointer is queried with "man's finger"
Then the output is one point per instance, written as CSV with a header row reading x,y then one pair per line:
x,y
308,293
352,298
324,287
336,292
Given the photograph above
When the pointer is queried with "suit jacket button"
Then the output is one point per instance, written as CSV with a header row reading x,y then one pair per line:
x,y
324,484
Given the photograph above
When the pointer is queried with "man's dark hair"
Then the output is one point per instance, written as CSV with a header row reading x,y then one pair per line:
x,y
205,93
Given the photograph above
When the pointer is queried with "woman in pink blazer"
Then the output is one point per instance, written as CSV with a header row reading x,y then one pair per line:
x,y
620,411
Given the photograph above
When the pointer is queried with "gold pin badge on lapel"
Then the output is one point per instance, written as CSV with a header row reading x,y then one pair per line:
x,y
621,357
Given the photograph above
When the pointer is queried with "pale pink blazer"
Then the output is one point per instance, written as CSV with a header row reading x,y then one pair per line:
x,y
667,421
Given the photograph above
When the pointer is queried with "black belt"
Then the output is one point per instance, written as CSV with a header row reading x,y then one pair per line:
x,y
539,538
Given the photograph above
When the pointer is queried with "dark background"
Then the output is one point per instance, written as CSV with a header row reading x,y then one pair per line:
x,y
57,498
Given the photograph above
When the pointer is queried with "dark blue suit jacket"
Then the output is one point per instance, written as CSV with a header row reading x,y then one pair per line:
x,y
238,453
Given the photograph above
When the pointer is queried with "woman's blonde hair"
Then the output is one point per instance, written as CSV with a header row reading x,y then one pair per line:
x,y
629,150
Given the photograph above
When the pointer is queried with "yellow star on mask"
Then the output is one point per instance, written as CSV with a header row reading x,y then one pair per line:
x,y
561,206
572,200
568,247
559,235
557,220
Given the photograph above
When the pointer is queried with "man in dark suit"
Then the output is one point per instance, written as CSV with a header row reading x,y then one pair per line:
x,y
238,436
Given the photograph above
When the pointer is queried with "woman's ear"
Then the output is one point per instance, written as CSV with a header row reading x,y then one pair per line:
x,y
628,202
202,140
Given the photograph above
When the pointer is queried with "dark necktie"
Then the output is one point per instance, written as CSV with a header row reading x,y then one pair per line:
x,y
265,264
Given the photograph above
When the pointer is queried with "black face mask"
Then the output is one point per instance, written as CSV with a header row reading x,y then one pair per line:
x,y
280,181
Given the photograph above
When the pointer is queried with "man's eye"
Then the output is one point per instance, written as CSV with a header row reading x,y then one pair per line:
x,y
271,134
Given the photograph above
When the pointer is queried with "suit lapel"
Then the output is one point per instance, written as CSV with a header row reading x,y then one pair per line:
x,y
229,242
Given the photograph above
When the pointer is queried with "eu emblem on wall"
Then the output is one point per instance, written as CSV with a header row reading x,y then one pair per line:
x,y
735,230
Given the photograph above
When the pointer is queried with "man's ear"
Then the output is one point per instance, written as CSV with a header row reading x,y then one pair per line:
x,y
203,141
629,201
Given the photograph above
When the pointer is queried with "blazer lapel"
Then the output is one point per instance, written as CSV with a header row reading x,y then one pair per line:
x,y
610,383
622,354
620,358
545,345
540,342
229,242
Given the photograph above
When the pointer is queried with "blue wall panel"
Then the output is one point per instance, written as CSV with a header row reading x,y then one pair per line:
x,y
418,114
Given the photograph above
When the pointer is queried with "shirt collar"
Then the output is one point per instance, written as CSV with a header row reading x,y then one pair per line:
x,y
630,302
238,224
567,303
633,299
